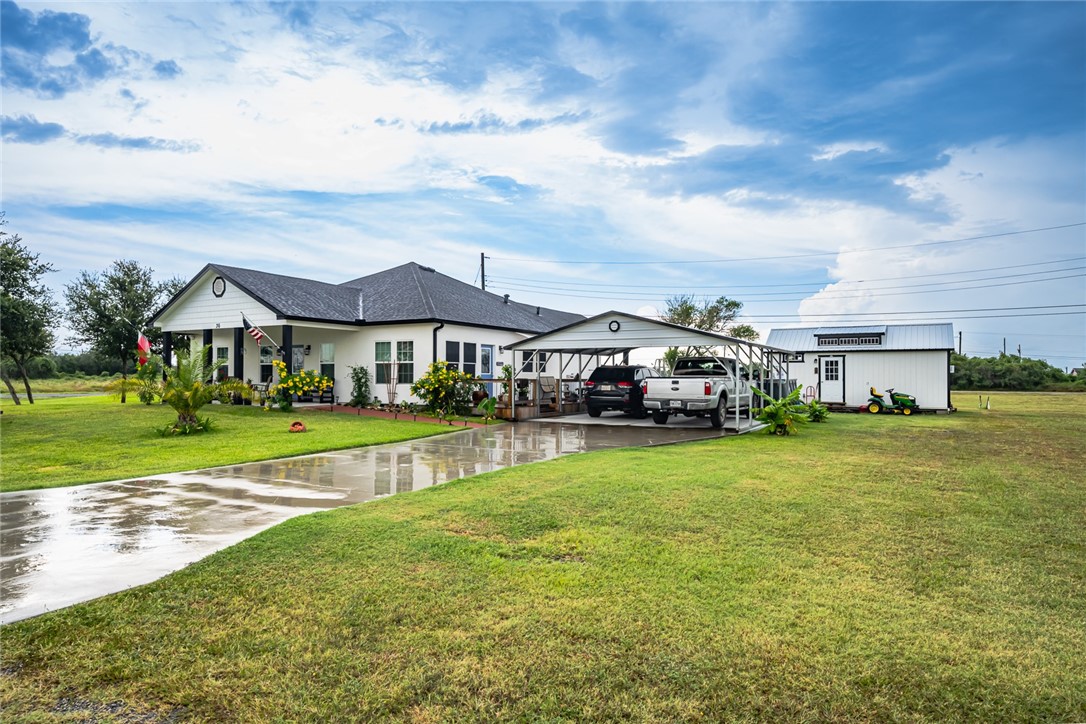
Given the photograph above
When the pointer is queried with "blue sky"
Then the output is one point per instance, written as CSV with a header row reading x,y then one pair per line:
x,y
799,157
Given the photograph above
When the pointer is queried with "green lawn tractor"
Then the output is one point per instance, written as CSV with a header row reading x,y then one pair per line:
x,y
899,403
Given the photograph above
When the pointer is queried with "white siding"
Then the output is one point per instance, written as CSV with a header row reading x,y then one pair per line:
x,y
922,374
200,309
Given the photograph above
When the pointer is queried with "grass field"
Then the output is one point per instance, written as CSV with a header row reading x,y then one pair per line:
x,y
50,385
65,441
870,569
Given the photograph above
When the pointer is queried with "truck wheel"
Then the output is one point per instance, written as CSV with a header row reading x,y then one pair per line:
x,y
594,412
659,417
716,417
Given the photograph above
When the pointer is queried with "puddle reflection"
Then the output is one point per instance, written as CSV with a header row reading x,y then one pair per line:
x,y
65,545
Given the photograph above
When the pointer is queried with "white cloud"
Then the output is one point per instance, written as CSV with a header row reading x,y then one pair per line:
x,y
833,150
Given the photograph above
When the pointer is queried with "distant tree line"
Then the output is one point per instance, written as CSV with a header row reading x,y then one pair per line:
x,y
107,311
1009,372
87,364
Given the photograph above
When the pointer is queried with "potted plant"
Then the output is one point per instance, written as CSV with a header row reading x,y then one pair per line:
x,y
507,383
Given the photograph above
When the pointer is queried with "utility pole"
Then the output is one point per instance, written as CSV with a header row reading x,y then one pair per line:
x,y
1019,353
482,270
1004,346
959,342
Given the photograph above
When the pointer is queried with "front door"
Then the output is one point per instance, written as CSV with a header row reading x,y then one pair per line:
x,y
831,379
486,365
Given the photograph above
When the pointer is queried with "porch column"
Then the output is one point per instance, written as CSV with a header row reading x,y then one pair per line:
x,y
288,344
167,349
208,340
239,353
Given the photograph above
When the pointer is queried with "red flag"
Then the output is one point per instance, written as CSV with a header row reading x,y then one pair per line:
x,y
144,348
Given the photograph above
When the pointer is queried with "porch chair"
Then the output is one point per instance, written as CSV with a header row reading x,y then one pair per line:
x,y
548,391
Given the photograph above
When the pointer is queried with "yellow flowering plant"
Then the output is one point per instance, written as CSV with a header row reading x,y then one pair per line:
x,y
445,389
303,382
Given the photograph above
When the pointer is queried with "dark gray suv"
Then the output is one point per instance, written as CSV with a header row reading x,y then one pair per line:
x,y
617,388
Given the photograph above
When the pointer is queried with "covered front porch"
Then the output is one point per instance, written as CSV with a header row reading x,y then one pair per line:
x,y
304,346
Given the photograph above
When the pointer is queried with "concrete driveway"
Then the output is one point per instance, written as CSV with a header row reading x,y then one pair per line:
x,y
65,545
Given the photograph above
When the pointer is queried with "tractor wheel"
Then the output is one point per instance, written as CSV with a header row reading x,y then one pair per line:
x,y
906,411
874,408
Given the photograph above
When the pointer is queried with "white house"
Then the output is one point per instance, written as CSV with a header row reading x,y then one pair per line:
x,y
393,322
839,365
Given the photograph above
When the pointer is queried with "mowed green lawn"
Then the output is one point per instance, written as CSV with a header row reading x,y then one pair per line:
x,y
66,441
870,569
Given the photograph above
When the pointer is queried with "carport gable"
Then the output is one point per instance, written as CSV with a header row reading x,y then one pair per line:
x,y
613,333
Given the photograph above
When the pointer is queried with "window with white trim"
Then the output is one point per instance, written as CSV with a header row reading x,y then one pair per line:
x,y
328,359
405,358
842,341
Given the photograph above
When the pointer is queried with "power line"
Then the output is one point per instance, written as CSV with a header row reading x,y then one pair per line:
x,y
551,286
826,295
941,311
814,318
800,284
793,256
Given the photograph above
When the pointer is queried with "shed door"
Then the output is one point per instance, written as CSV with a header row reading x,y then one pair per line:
x,y
831,379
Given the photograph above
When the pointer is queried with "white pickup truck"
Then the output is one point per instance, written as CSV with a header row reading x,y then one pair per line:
x,y
698,386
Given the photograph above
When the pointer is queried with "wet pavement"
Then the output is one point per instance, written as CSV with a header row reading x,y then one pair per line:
x,y
65,545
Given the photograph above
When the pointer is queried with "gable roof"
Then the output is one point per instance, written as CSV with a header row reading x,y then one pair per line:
x,y
407,293
897,337
614,332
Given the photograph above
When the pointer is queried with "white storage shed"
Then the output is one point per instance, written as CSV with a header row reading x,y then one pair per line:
x,y
839,365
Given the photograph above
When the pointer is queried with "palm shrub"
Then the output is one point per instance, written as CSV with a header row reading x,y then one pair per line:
x,y
144,383
783,416
188,387
816,411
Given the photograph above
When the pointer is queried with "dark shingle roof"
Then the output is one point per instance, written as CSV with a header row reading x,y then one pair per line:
x,y
411,292
407,293
294,297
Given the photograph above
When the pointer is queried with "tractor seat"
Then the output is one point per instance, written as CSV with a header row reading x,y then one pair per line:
x,y
874,393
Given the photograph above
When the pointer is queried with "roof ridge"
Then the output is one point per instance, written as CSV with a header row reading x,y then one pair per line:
x,y
427,300
271,274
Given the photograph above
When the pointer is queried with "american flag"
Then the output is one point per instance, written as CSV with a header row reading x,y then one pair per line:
x,y
255,332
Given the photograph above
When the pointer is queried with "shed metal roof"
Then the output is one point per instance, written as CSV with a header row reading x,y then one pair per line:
x,y
870,329
897,337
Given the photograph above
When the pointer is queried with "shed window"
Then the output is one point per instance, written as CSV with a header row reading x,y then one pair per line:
x,y
841,341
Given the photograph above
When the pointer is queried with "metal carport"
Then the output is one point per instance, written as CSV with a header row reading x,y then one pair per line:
x,y
613,335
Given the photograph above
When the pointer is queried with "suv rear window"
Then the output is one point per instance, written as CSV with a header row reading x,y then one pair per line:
x,y
613,374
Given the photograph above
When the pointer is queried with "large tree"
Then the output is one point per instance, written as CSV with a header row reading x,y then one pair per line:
x,y
27,310
709,315
109,310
